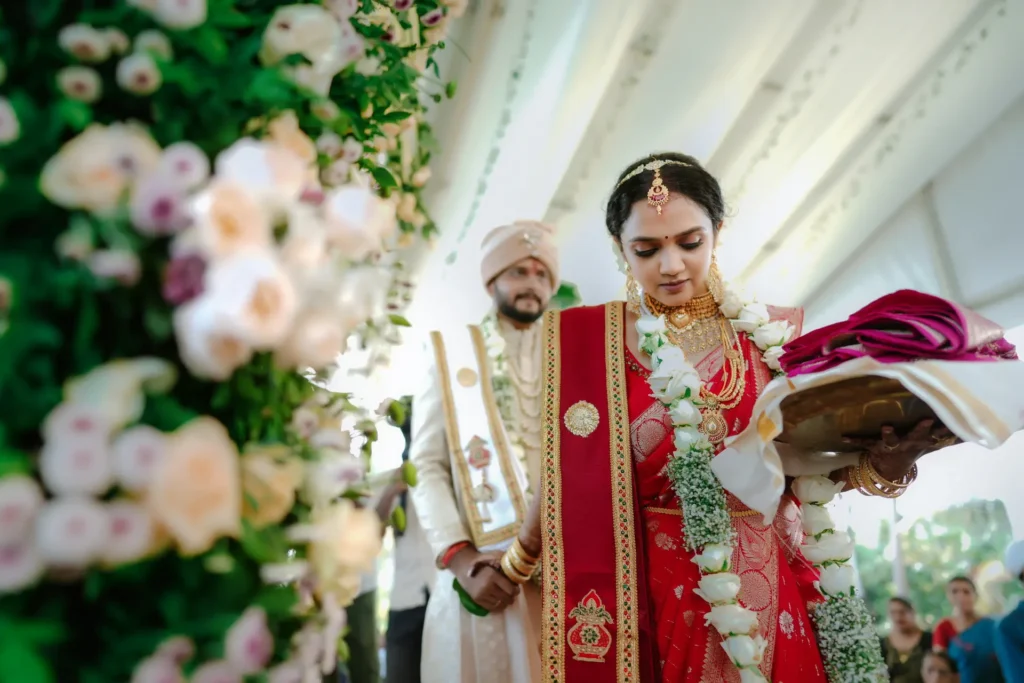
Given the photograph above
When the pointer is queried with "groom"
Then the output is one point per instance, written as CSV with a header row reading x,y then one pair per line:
x,y
476,447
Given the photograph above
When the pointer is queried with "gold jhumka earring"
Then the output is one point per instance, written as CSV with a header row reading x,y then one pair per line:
x,y
715,284
632,293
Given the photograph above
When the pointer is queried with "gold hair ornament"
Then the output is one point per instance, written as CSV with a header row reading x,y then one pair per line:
x,y
658,195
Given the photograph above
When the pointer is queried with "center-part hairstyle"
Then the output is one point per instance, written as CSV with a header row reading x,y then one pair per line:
x,y
655,179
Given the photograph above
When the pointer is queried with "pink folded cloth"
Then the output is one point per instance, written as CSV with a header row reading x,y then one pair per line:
x,y
900,327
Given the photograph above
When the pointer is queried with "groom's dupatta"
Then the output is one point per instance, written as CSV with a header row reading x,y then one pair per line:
x,y
595,625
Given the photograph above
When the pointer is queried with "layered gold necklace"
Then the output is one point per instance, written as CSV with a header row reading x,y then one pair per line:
x,y
695,327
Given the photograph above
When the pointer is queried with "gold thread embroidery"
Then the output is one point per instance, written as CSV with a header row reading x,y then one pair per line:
x,y
582,419
589,639
467,377
622,495
553,634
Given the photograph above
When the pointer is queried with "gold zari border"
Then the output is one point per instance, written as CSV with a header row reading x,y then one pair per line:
x,y
553,627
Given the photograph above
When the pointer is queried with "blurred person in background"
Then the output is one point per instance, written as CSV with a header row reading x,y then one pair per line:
x,y
967,637
1010,629
939,668
905,646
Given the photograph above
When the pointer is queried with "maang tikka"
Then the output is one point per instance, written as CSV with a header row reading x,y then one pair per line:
x,y
658,195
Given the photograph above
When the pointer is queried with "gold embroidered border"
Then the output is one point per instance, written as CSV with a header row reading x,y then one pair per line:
x,y
622,496
553,633
497,427
462,474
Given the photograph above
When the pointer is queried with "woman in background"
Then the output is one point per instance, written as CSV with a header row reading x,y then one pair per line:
x,y
967,637
906,645
939,668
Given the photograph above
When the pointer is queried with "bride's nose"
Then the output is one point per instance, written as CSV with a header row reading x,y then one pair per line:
x,y
671,263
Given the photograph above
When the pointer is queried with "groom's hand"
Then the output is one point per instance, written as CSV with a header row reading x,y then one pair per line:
x,y
480,576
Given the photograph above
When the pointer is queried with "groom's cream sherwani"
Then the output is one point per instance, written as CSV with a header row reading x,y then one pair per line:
x,y
476,471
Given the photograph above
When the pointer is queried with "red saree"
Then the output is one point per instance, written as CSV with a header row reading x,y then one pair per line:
x,y
619,605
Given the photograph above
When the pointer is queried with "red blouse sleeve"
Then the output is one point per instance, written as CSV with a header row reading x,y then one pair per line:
x,y
944,633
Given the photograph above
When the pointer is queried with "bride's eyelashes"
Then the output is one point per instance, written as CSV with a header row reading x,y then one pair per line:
x,y
687,246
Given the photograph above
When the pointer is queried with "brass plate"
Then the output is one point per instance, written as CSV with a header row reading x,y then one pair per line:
x,y
818,419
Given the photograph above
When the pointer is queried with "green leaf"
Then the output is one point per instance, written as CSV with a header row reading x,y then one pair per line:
x,y
394,116
42,13
211,44
384,178
450,89
158,323
278,601
20,662
399,320
75,114
14,462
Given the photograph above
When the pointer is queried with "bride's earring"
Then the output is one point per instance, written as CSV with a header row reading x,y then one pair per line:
x,y
632,293
715,284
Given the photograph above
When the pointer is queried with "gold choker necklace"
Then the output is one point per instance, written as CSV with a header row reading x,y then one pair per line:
x,y
694,327
698,308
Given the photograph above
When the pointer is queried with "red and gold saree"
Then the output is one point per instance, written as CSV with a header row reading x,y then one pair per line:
x,y
618,584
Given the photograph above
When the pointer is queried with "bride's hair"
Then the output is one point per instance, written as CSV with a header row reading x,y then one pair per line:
x,y
687,177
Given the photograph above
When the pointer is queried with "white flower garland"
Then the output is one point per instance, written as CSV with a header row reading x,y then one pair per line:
x,y
501,383
850,655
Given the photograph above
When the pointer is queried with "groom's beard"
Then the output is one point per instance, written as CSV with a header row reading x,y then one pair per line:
x,y
527,317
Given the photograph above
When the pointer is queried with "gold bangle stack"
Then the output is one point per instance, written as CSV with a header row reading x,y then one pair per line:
x,y
866,479
518,565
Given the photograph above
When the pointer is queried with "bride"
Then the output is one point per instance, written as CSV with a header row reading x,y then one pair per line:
x,y
626,588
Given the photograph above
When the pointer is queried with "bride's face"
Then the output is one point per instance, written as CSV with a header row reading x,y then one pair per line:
x,y
669,254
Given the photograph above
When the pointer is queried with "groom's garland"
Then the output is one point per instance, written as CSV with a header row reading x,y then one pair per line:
x,y
849,650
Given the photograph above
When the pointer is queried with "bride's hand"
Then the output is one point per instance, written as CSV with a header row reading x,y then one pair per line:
x,y
893,457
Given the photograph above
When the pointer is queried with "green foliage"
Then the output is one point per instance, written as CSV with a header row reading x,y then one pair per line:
x,y
567,296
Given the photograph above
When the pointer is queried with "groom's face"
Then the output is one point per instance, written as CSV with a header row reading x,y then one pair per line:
x,y
522,291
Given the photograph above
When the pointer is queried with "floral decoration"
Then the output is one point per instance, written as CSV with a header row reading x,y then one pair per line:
x,y
199,200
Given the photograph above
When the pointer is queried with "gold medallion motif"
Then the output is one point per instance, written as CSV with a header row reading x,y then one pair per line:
x,y
582,419
714,424
466,377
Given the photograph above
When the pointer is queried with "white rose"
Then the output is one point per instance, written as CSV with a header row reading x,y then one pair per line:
x,y
751,317
672,383
248,644
671,358
10,127
230,220
336,174
288,672
76,466
775,333
714,559
745,651
357,221
186,163
718,589
271,171
20,500
752,675
84,42
834,547
155,43
683,412
71,533
256,297
731,304
117,40
305,422
685,438
138,74
351,150
308,30
137,451
342,10
332,476
316,340
157,669
75,420
330,144
208,347
649,325
815,519
732,620
21,566
120,265
837,580
116,388
80,83
180,14
131,536
771,358
816,489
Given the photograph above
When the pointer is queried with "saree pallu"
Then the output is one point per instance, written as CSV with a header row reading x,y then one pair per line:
x,y
974,652
619,601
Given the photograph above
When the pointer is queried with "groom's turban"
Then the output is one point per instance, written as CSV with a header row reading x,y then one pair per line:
x,y
505,246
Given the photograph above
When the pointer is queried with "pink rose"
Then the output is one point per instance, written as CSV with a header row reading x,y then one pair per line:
x,y
77,466
157,669
216,672
20,566
159,206
186,163
248,645
137,452
178,649
183,279
20,500
433,18
75,421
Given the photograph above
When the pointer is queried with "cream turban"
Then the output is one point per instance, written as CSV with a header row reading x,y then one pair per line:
x,y
509,244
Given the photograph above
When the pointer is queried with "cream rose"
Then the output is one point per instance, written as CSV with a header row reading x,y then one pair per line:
x,y
406,209
718,589
208,346
138,74
334,625
683,412
308,30
120,265
196,491
357,221
21,566
421,176
248,644
775,333
815,519
670,383
269,170
229,220
216,672
178,649
117,40
336,174
20,501
732,620
834,547
114,389
751,317
85,173
731,304
71,532
80,83
186,163
714,559
837,580
131,535
157,669
155,43
336,473
345,539
744,651
316,340
84,42
816,489
284,130
343,10
288,672
270,477
80,466
305,422
351,150
256,297
180,14
136,453
70,421
329,144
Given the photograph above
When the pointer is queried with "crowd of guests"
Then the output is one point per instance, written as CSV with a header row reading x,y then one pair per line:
x,y
964,647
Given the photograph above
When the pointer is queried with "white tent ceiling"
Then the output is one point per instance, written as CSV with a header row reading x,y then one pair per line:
x,y
864,145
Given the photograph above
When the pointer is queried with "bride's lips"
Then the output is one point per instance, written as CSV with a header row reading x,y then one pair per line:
x,y
673,287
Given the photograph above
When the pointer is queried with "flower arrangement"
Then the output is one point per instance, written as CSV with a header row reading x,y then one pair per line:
x,y
197,200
